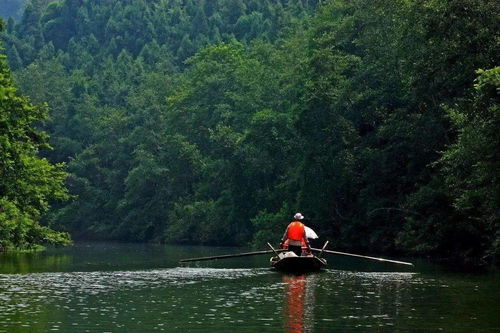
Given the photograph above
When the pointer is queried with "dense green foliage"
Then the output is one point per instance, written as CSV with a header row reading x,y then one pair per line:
x,y
109,116
214,121
471,168
27,182
383,76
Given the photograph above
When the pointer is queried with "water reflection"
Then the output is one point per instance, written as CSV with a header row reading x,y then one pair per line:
x,y
299,303
23,263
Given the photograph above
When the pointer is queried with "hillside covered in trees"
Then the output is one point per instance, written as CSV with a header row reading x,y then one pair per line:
x,y
212,122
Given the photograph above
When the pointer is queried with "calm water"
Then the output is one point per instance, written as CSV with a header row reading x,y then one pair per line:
x,y
141,288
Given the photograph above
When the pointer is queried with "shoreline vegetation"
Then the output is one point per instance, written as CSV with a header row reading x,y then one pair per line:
x,y
27,181
213,122
34,248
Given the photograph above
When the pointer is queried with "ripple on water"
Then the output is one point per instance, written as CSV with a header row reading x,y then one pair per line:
x,y
163,299
29,294
60,283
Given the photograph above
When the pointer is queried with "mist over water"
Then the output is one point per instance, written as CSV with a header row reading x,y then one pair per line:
x,y
112,287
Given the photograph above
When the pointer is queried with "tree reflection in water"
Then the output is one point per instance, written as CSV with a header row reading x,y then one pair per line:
x,y
298,303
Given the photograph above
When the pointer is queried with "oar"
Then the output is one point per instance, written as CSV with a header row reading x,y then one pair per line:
x,y
227,256
322,249
272,248
366,257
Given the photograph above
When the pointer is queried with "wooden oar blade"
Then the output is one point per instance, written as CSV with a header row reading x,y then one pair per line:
x,y
228,256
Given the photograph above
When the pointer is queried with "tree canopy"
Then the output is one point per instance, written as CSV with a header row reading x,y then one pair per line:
x,y
213,122
27,182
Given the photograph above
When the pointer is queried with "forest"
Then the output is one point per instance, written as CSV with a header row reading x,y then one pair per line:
x,y
213,121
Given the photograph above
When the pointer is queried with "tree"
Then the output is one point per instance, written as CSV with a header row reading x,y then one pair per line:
x,y
27,182
15,61
471,168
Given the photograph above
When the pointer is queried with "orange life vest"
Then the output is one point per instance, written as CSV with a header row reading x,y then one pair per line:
x,y
296,231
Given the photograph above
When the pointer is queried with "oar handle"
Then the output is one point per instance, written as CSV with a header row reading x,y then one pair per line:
x,y
322,249
272,248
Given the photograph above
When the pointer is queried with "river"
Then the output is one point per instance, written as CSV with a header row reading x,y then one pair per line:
x,y
109,287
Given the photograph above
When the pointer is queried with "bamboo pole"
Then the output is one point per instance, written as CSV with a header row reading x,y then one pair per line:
x,y
365,257
228,256
322,249
272,248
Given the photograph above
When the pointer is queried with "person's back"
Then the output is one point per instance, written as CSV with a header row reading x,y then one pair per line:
x,y
295,235
296,231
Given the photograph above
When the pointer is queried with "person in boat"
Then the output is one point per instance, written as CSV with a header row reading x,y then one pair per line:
x,y
294,238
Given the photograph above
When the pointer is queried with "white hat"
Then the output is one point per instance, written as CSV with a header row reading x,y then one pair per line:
x,y
298,216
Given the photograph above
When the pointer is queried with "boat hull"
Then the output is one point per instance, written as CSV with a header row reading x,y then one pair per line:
x,y
298,264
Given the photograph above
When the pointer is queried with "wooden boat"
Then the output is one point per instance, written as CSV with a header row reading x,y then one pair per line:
x,y
289,262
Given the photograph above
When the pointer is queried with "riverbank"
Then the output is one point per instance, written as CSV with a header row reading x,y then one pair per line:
x,y
34,248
